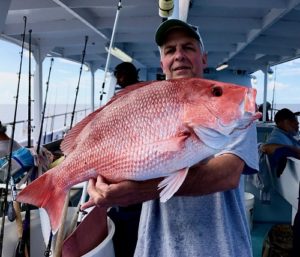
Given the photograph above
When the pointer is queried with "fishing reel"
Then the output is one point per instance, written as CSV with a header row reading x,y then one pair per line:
x,y
21,162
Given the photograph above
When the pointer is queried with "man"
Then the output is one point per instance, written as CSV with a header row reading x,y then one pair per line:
x,y
283,135
5,142
125,218
207,215
126,74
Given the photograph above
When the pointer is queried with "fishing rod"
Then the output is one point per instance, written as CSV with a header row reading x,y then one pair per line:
x,y
44,108
77,88
23,245
66,112
48,249
102,92
53,117
8,179
29,93
273,96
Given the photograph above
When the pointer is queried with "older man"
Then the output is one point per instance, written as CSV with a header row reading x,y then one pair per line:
x,y
207,215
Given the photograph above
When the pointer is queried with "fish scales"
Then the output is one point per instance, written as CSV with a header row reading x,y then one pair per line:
x,y
149,130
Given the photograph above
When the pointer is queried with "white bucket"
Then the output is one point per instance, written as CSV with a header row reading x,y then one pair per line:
x,y
106,248
249,205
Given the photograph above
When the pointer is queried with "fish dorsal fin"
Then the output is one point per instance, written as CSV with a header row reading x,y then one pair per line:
x,y
129,89
71,140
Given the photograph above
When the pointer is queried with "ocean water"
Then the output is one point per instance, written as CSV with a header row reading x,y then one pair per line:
x,y
61,121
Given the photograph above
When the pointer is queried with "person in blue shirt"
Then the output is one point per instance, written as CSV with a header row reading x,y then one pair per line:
x,y
207,215
283,134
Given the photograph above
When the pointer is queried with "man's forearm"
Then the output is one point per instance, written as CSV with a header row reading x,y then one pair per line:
x,y
218,174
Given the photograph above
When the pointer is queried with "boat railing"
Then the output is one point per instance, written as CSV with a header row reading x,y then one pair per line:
x,y
55,126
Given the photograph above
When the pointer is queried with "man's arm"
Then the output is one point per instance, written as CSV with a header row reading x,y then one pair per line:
x,y
218,174
270,149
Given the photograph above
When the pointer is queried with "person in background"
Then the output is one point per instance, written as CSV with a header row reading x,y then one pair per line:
x,y
283,134
126,74
5,142
268,108
126,219
22,160
207,215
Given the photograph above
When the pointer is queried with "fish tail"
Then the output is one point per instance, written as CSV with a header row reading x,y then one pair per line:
x,y
43,193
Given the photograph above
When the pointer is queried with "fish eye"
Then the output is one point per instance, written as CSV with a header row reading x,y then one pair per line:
x,y
216,91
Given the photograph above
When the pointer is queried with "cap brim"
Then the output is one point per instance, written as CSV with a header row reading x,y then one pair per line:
x,y
168,25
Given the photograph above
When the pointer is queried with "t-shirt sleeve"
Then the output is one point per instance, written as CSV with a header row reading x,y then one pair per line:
x,y
244,145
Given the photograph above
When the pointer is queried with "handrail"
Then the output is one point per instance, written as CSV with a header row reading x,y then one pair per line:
x,y
49,116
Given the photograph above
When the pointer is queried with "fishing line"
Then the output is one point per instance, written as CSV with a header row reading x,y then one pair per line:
x,y
77,88
102,92
4,204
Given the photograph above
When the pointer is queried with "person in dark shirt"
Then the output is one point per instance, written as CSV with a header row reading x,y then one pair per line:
x,y
126,219
126,74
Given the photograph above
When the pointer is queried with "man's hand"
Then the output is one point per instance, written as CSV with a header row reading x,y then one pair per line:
x,y
218,174
124,193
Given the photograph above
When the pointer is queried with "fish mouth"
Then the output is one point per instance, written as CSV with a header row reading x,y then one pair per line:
x,y
247,115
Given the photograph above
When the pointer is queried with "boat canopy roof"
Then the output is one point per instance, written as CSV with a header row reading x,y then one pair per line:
x,y
248,35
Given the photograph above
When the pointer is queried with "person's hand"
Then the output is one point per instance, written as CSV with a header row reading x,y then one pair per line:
x,y
123,193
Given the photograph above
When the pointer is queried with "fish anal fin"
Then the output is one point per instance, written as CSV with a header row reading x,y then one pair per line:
x,y
44,194
171,184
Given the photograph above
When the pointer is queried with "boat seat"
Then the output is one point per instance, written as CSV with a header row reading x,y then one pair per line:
x,y
277,160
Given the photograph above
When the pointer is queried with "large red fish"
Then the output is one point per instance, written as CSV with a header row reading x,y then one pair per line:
x,y
149,130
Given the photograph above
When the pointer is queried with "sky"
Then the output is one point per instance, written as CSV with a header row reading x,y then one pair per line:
x,y
285,79
63,80
65,74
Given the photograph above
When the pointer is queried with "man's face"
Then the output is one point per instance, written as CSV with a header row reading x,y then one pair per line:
x,y
181,56
291,126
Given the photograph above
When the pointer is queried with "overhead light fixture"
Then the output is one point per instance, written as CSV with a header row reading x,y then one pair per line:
x,y
166,8
222,66
254,79
270,73
118,53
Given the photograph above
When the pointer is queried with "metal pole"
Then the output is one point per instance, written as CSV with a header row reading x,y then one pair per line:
x,y
109,51
265,95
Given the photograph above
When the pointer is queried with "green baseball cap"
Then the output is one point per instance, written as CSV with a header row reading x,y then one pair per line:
x,y
166,26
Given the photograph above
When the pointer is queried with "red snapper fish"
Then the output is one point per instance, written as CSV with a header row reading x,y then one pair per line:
x,y
148,130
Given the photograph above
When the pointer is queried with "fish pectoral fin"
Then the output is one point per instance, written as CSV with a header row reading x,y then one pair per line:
x,y
211,137
173,144
171,184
